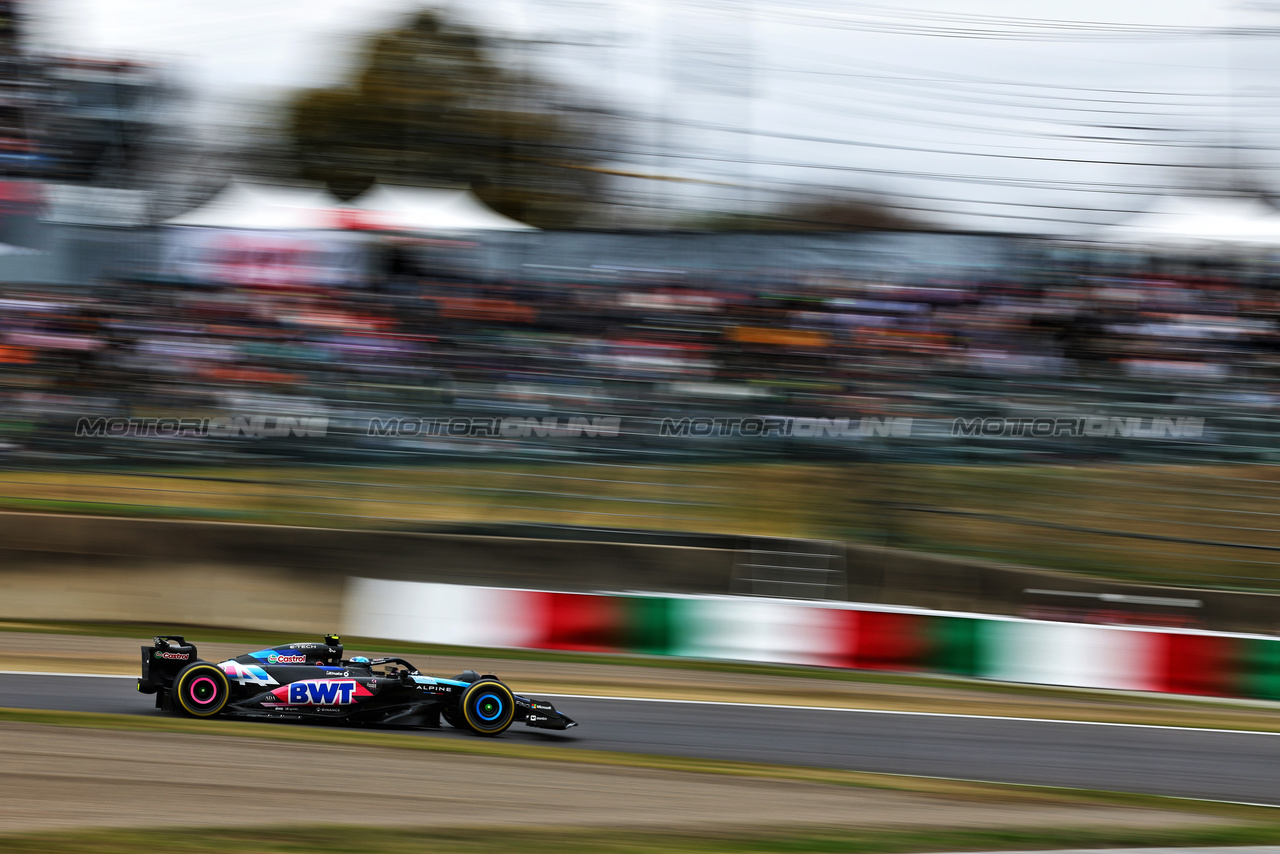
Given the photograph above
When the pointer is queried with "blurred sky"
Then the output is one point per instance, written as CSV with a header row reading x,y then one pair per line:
x,y
984,118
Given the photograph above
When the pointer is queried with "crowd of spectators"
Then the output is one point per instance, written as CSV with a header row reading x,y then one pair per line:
x,y
816,343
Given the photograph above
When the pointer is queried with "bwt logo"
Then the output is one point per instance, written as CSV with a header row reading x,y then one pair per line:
x,y
1091,427
322,692
228,426
517,427
804,428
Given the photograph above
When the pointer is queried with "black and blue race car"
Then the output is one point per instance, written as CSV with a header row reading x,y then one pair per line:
x,y
312,681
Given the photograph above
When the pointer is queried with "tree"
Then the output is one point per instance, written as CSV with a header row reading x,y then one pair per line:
x,y
430,104
850,213
821,213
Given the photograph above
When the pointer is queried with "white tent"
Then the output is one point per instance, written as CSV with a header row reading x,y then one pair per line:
x,y
264,235
394,208
1199,222
242,205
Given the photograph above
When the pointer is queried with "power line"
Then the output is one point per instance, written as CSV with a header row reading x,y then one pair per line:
x,y
1111,188
934,14
865,112
1030,101
881,201
961,83
919,149
991,28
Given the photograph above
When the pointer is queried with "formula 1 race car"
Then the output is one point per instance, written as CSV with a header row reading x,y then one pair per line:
x,y
312,681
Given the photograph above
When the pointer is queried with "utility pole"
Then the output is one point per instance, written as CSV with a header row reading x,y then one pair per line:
x,y
589,26
711,81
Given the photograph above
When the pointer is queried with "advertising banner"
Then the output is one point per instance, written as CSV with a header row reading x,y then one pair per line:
x,y
279,259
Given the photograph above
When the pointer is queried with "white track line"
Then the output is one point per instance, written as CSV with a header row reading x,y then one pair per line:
x,y
80,675
786,706
907,714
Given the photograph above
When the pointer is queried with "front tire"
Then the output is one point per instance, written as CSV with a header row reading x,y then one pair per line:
x,y
488,707
201,690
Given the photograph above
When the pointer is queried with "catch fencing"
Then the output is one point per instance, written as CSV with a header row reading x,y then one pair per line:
x,y
1138,481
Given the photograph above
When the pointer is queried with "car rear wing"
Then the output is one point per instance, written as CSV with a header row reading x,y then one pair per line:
x,y
161,662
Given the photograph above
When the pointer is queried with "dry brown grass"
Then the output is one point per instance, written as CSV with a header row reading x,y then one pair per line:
x,y
1052,516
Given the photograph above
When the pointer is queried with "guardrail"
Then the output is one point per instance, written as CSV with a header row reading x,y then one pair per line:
x,y
828,634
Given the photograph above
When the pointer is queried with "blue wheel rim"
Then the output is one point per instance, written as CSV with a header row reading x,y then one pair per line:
x,y
483,702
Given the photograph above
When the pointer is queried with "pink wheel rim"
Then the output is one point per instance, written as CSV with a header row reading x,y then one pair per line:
x,y
195,698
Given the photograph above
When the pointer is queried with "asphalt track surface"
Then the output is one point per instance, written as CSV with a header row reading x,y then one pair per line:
x,y
1219,765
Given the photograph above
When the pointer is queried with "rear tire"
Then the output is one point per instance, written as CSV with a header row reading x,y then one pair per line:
x,y
201,690
488,707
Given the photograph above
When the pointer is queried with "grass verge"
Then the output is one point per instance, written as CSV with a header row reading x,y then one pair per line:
x,y
1127,521
379,840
